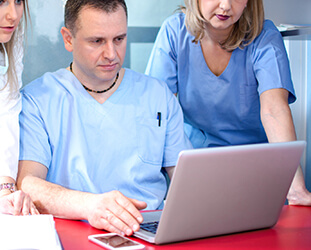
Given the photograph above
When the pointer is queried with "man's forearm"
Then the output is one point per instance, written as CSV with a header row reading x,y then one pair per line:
x,y
53,199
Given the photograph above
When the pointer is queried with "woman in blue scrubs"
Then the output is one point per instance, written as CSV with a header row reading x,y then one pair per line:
x,y
231,72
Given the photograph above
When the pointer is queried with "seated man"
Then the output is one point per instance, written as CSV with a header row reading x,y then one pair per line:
x,y
95,136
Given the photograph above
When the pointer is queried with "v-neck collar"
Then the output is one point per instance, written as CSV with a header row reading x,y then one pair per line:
x,y
207,69
108,104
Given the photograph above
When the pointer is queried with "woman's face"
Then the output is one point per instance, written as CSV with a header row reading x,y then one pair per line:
x,y
222,14
11,12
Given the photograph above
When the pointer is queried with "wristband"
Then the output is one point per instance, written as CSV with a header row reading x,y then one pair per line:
x,y
8,186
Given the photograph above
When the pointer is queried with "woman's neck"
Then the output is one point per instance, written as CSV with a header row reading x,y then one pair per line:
x,y
216,36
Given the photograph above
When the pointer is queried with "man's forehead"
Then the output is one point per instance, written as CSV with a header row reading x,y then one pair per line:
x,y
97,20
89,10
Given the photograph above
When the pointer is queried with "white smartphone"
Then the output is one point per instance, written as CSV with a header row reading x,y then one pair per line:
x,y
115,241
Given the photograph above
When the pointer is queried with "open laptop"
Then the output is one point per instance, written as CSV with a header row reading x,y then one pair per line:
x,y
217,191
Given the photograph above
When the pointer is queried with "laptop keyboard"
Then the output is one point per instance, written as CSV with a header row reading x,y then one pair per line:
x,y
150,226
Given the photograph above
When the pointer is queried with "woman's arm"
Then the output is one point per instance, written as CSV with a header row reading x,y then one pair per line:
x,y
278,123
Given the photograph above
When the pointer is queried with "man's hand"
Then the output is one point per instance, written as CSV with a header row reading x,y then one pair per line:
x,y
115,213
17,203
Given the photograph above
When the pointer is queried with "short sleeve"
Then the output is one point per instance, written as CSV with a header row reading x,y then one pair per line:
x,y
270,60
162,63
34,140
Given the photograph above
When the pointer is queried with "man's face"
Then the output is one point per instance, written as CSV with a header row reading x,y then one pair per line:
x,y
99,45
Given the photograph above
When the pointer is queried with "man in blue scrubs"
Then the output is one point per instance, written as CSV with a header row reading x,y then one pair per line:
x,y
95,136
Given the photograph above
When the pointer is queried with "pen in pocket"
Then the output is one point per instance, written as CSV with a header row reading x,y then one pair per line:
x,y
159,118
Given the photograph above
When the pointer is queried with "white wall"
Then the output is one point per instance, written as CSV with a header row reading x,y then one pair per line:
x,y
299,49
297,52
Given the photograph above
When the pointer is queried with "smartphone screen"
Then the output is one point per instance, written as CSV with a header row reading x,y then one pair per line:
x,y
115,241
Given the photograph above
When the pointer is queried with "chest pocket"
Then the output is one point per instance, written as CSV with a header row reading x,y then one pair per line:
x,y
150,139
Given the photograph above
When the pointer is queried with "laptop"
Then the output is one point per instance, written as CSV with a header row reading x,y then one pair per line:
x,y
224,190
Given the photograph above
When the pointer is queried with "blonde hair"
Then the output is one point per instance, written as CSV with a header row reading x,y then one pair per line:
x,y
12,80
245,30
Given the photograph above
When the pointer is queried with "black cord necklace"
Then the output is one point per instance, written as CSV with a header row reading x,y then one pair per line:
x,y
95,91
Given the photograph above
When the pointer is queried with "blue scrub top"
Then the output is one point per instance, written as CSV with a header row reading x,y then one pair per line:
x,y
97,148
220,110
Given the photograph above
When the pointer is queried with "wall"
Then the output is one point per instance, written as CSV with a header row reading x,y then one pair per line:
x,y
299,51
288,11
299,61
45,50
308,93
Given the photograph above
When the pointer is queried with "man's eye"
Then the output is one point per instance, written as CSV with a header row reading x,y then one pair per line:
x,y
19,1
97,41
120,39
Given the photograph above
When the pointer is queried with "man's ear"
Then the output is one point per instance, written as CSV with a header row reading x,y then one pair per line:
x,y
67,37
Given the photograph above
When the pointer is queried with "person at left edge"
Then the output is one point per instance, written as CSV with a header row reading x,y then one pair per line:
x,y
13,19
92,144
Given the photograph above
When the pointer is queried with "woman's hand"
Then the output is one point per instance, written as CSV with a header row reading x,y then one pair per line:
x,y
17,203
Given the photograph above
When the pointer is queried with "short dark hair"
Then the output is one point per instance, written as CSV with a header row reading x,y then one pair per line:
x,y
73,8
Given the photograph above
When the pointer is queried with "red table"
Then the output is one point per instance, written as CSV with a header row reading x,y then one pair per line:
x,y
293,231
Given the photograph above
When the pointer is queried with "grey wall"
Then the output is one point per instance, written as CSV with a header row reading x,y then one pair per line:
x,y
288,11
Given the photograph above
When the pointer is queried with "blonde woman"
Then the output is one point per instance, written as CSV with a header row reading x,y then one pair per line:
x,y
11,54
230,70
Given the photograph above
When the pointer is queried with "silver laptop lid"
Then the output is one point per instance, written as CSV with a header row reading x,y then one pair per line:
x,y
224,190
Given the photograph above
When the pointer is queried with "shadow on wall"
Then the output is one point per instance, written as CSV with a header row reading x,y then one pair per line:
x,y
44,46
46,57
